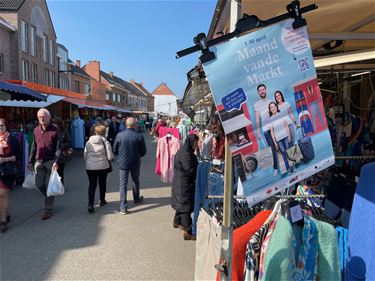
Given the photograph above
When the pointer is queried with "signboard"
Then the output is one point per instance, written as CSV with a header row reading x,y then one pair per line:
x,y
267,95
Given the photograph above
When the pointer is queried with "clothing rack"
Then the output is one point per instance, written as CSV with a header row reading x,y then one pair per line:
x,y
302,196
222,197
355,157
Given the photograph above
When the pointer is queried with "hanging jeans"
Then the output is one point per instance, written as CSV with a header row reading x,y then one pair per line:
x,y
292,135
201,185
283,146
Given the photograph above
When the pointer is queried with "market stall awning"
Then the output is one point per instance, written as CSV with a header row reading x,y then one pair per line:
x,y
19,92
81,103
32,104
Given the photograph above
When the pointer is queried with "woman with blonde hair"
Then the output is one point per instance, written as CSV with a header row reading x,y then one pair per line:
x,y
98,152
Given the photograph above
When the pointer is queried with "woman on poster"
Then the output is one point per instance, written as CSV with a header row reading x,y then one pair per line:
x,y
286,111
279,131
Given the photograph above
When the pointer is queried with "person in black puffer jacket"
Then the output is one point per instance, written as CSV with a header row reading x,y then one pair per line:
x,y
183,186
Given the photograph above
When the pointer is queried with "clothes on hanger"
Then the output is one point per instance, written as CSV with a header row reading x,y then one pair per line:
x,y
166,151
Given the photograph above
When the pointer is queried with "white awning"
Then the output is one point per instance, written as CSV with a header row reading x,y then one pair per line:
x,y
32,104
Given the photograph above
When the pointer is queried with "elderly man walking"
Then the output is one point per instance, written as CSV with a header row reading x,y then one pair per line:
x,y
129,147
46,153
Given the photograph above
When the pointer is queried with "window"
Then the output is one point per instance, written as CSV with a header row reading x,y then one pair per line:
x,y
2,65
114,97
45,48
64,83
77,86
52,79
24,36
51,52
32,41
46,77
25,70
87,89
106,96
34,73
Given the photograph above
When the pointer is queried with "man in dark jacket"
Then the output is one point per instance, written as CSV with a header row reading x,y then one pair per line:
x,y
129,147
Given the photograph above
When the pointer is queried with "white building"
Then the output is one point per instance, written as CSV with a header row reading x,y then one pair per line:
x,y
165,100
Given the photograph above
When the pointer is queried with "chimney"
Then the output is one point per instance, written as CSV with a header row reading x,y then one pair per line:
x,y
111,73
78,63
132,81
92,68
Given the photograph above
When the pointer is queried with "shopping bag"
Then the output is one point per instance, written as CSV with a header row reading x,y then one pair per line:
x,y
55,186
294,154
264,156
29,182
281,161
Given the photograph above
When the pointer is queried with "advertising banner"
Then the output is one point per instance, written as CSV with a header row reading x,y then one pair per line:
x,y
268,98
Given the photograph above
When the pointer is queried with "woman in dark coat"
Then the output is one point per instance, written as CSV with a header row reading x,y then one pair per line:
x,y
9,154
183,186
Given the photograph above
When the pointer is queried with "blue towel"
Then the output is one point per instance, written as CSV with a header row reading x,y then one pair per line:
x,y
361,261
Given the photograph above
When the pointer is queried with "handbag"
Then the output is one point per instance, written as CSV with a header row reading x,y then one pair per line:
x,y
264,156
294,154
8,169
109,162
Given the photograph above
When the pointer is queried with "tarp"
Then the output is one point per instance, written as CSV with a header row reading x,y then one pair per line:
x,y
19,92
32,104
89,104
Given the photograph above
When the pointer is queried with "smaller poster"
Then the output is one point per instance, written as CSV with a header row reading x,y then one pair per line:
x,y
268,98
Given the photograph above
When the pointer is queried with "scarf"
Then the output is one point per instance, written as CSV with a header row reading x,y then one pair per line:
x,y
3,141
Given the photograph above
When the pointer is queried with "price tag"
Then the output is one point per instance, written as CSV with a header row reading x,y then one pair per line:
x,y
216,162
296,213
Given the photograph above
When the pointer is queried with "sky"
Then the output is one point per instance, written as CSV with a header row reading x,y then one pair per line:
x,y
134,39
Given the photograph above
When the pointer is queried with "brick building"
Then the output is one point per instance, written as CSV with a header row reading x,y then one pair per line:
x,y
27,42
149,98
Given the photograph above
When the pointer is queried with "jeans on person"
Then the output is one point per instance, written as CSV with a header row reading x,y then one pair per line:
x,y
267,135
315,114
94,176
292,135
42,174
283,146
124,177
184,219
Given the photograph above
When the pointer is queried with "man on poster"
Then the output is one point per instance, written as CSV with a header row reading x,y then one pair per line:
x,y
262,120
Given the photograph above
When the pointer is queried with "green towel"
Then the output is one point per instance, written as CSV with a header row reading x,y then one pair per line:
x,y
328,259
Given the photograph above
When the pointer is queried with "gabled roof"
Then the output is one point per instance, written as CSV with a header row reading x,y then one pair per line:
x,y
117,81
6,25
163,90
77,70
143,89
10,5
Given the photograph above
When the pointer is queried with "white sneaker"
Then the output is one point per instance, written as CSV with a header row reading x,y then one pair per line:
x,y
275,173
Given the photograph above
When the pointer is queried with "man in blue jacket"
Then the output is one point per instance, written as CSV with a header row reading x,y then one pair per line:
x,y
129,147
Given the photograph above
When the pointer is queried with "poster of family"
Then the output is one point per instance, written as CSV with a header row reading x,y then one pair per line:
x,y
267,95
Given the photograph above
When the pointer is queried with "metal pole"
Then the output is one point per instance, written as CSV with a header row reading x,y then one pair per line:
x,y
226,236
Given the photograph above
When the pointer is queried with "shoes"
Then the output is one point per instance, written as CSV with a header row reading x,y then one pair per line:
x,y
140,199
123,211
179,226
188,236
3,227
47,214
102,203
90,209
275,173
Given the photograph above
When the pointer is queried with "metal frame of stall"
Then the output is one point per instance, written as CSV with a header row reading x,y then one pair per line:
x,y
245,24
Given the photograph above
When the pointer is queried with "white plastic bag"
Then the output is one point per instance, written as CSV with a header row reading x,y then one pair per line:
x,y
29,182
55,186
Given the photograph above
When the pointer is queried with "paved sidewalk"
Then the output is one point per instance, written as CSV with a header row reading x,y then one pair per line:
x,y
76,245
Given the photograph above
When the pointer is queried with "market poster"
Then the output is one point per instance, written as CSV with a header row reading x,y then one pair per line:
x,y
268,98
